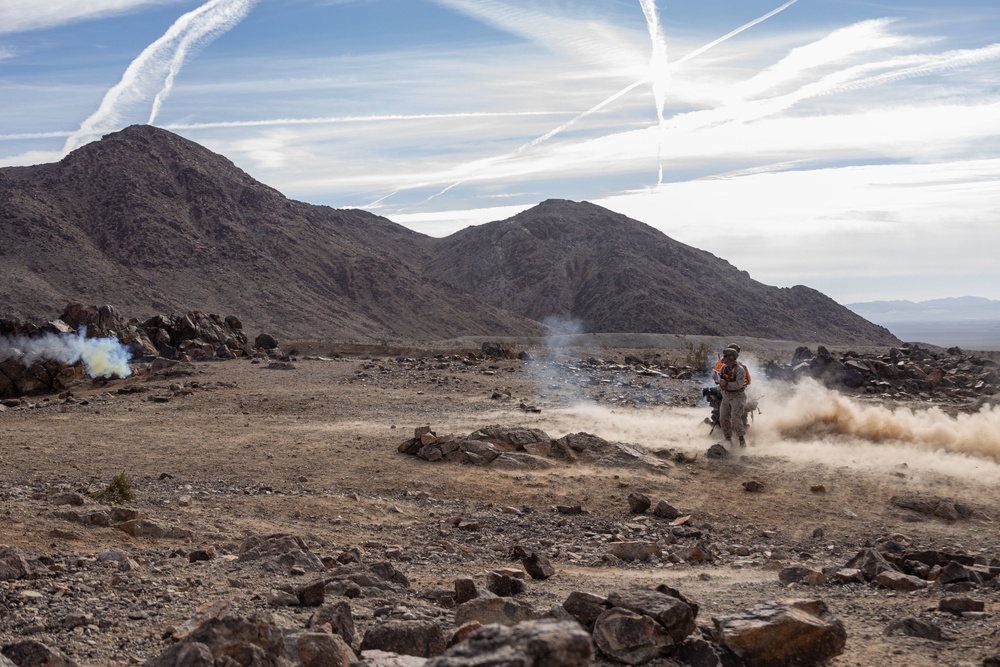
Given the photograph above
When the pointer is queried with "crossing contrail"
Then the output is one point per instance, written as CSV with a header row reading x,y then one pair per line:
x,y
322,120
659,71
160,62
632,86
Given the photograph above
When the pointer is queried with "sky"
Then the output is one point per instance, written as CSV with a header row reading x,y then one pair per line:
x,y
851,146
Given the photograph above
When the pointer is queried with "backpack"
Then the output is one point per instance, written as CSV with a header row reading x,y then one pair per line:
x,y
719,366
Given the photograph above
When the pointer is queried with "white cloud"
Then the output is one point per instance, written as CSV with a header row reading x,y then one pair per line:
x,y
23,15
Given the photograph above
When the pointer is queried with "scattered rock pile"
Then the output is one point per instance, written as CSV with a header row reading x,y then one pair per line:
x,y
527,448
907,372
193,336
631,625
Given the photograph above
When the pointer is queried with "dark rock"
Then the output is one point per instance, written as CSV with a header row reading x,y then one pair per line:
x,y
915,627
638,503
13,564
699,652
958,605
776,634
465,590
311,594
420,638
631,638
537,566
215,636
717,451
529,644
339,618
670,612
870,563
503,585
29,653
665,510
585,607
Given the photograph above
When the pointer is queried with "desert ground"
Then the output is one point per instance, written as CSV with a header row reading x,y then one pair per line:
x,y
221,451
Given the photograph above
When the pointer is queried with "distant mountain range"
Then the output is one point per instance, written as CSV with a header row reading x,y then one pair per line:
x,y
968,321
153,223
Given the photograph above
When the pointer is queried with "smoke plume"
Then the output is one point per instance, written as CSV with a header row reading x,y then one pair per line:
x,y
101,357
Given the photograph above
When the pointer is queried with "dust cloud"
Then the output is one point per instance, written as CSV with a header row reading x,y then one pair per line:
x,y
807,423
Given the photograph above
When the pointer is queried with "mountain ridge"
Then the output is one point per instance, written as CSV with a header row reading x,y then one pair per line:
x,y
151,222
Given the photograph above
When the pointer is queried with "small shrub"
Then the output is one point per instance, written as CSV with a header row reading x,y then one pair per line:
x,y
696,356
118,490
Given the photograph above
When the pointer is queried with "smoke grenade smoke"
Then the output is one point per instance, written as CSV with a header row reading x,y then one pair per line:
x,y
101,357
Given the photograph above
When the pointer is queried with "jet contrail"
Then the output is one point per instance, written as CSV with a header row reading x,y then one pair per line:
x,y
600,105
219,17
325,120
659,70
195,28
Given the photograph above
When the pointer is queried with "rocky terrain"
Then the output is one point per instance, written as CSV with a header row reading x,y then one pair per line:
x,y
156,224
328,505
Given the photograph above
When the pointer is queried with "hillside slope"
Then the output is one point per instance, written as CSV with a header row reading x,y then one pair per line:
x,y
606,272
153,223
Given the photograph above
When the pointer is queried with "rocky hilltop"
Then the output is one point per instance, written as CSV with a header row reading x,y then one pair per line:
x,y
609,273
154,223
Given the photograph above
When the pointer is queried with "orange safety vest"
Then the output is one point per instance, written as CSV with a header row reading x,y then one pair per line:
x,y
720,364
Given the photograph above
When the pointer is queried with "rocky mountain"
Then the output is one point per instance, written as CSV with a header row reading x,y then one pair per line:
x,y
154,223
608,273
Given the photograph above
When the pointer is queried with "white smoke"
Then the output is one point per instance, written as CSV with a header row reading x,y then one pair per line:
x,y
101,357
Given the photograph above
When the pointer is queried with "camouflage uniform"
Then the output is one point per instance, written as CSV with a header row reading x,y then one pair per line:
x,y
734,400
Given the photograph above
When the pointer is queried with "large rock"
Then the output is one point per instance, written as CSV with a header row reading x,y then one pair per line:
x,y
30,653
870,563
215,636
494,610
673,614
319,649
339,619
529,644
13,564
513,438
420,638
782,633
631,638
280,552
585,607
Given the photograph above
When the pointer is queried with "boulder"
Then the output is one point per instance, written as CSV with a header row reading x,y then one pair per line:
x,y
420,638
13,564
215,636
780,633
673,614
585,607
631,638
338,618
898,581
543,643
494,610
537,566
870,563
30,653
319,649
638,503
912,626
